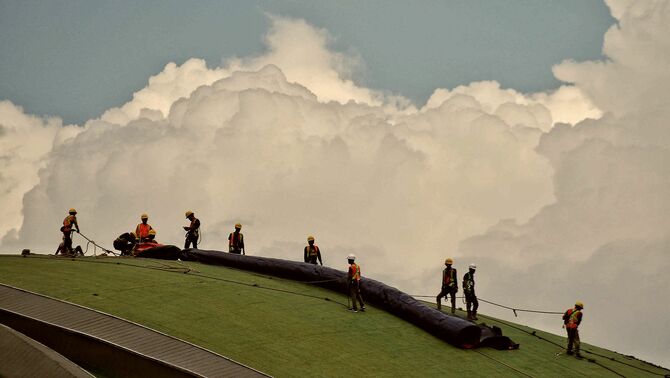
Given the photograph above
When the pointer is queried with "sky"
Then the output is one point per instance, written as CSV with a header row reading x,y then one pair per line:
x,y
58,54
518,137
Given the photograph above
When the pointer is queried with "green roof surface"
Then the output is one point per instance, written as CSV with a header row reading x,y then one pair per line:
x,y
287,328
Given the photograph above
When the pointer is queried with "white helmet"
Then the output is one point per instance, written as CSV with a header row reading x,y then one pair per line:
x,y
472,266
351,257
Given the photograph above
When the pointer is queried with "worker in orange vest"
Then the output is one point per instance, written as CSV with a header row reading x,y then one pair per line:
x,y
236,241
312,253
449,285
142,229
69,225
354,282
571,320
192,230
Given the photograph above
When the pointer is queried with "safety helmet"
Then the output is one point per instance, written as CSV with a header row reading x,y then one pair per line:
x,y
310,238
472,266
579,304
188,213
238,225
351,257
72,211
152,232
144,216
449,261
133,234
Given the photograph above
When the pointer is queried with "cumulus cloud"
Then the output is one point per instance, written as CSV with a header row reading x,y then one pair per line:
x,y
553,189
605,239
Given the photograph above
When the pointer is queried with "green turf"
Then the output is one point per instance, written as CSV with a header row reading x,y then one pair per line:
x,y
287,334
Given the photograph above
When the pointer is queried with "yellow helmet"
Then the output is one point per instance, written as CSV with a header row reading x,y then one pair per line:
x,y
189,213
310,238
72,211
448,261
152,232
579,304
144,216
133,234
238,225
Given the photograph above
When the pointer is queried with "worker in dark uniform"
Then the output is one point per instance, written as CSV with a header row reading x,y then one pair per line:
x,y
192,230
471,303
125,243
571,320
354,282
236,241
69,225
312,253
142,229
449,285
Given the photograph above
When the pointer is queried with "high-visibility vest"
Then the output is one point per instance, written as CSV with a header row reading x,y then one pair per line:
x,y
68,222
449,278
234,241
312,250
354,272
142,230
573,318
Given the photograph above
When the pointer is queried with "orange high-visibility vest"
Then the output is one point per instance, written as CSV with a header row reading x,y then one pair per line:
x,y
68,222
354,272
142,230
449,279
312,251
573,318
233,241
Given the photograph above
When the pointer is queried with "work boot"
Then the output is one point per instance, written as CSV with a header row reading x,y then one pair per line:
x,y
453,310
474,315
439,305
579,355
469,315
363,309
353,309
569,352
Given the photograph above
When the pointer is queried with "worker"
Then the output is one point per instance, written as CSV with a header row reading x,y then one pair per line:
x,y
471,303
571,320
312,253
142,229
236,241
152,237
354,283
69,225
449,285
192,230
125,243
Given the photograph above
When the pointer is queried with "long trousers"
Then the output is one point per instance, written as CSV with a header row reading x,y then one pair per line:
x,y
573,339
471,302
355,294
447,290
191,240
67,242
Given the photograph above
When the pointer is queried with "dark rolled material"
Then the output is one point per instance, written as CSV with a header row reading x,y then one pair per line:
x,y
454,330
164,252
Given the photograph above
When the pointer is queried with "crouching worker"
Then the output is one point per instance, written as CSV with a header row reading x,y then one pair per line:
x,y
571,320
449,285
354,282
125,243
152,237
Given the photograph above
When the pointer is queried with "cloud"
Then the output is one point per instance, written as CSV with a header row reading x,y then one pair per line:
x,y
605,239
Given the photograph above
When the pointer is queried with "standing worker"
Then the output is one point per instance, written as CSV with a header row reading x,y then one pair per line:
x,y
471,303
192,230
142,229
571,320
312,253
69,224
236,241
449,285
354,282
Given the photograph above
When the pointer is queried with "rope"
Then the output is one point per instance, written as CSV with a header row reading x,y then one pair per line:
x,y
514,309
95,246
504,364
